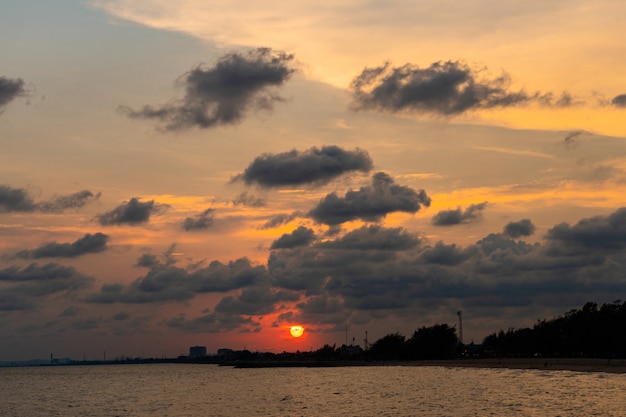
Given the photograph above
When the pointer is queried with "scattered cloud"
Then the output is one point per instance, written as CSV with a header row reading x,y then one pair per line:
x,y
133,212
457,216
10,89
201,221
224,93
445,88
248,200
18,200
571,139
313,166
619,101
280,219
518,229
302,236
63,202
90,243
369,203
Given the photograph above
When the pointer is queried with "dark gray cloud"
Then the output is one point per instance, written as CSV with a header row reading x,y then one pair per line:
x,y
133,212
605,233
87,244
224,93
443,254
619,101
10,89
167,283
212,323
18,200
445,88
521,228
374,237
255,301
302,236
496,271
201,221
369,203
458,216
313,166
248,200
15,199
23,288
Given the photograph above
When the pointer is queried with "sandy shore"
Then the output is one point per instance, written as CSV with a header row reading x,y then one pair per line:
x,y
617,366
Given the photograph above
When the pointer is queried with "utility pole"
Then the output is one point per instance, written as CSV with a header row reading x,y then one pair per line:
x,y
460,314
366,343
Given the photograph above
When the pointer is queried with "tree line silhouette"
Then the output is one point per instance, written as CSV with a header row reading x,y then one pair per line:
x,y
591,331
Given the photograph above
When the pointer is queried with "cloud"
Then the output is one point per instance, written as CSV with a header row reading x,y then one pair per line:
x,y
255,301
63,202
571,139
201,221
302,236
87,244
133,212
492,272
457,216
10,89
224,93
212,323
15,199
313,166
445,88
248,200
619,101
18,200
521,228
167,283
599,233
20,289
374,237
369,203
280,219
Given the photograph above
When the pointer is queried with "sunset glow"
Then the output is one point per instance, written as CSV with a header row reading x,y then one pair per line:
x,y
296,331
196,173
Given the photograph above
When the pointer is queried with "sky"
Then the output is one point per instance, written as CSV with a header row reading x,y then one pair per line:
x,y
212,173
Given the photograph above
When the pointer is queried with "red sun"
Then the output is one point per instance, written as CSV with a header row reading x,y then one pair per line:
x,y
296,331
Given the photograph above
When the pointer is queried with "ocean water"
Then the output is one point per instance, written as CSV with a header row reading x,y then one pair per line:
x,y
209,390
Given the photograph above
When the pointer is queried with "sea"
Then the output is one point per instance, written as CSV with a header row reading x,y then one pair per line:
x,y
197,390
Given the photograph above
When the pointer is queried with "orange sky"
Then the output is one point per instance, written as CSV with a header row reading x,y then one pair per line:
x,y
167,182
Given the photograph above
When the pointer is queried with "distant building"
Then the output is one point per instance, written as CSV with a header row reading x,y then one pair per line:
x,y
197,351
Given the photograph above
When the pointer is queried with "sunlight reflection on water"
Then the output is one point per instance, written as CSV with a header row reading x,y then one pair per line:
x,y
208,390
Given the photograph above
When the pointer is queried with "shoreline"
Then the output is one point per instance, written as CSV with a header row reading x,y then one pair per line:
x,y
616,366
